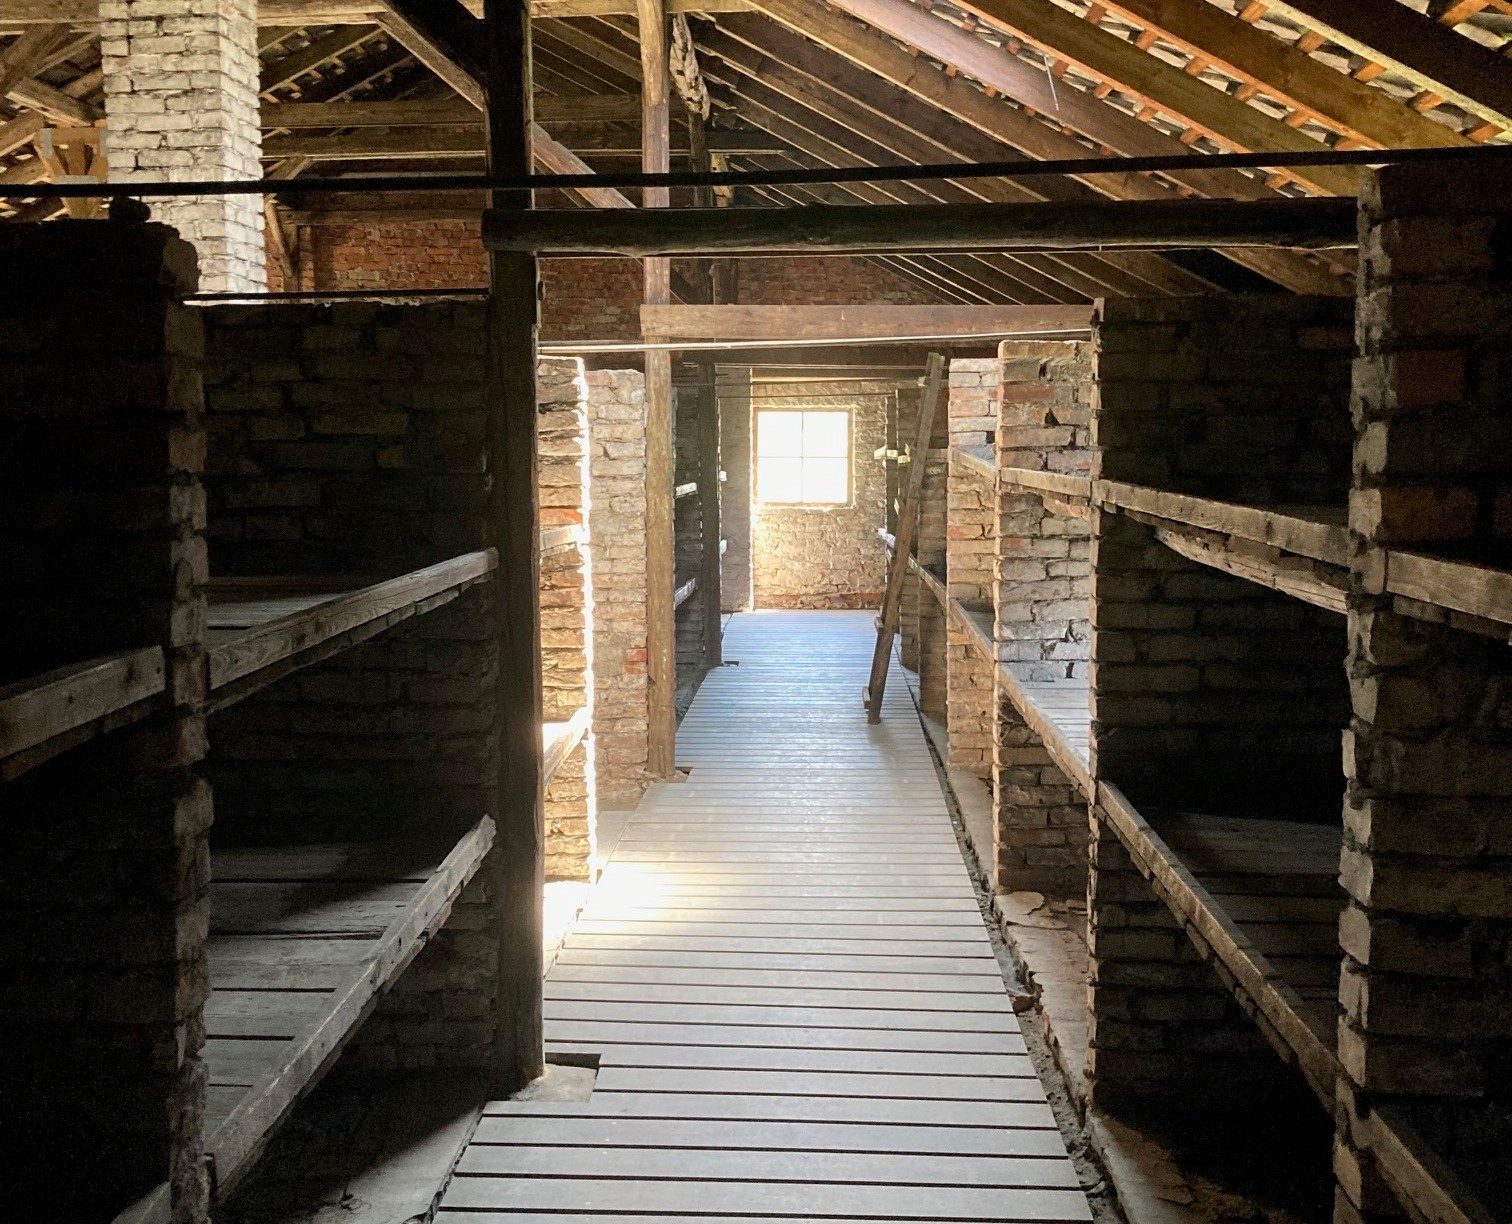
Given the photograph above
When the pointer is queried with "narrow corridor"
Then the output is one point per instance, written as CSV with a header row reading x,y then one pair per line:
x,y
787,981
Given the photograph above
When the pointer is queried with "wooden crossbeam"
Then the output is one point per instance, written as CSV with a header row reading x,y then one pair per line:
x,y
19,14
452,112
1180,224
908,523
859,324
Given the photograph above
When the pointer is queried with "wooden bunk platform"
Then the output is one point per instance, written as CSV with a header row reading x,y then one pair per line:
x,y
1261,899
261,629
302,942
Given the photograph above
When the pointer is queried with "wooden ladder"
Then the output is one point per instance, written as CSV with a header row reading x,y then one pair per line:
x,y
908,521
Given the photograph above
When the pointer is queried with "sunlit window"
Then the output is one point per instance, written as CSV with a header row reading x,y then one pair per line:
x,y
803,458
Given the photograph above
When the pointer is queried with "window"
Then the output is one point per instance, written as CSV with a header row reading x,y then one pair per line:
x,y
803,458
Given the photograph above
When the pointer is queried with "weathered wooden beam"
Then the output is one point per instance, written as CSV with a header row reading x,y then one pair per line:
x,y
513,325
19,14
453,112
682,62
661,631
872,50
1167,88
857,324
1239,49
372,144
819,228
1432,56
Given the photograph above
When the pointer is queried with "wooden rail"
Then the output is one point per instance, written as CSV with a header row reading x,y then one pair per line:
x,y
559,739
235,1141
76,702
684,593
1255,983
245,659
977,459
1460,586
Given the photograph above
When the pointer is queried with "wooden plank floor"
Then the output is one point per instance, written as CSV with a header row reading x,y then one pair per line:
x,y
787,983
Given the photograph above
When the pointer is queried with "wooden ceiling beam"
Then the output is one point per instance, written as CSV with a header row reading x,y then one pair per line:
x,y
859,323
878,54
1239,49
1317,224
19,14
445,37
1430,55
372,144
1163,86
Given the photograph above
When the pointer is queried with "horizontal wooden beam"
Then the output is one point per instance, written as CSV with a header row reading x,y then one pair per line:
x,y
18,14
818,228
455,112
458,142
798,324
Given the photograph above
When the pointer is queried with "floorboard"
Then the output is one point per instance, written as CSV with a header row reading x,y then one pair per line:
x,y
785,982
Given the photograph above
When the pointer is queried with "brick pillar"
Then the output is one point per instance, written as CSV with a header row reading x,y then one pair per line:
x,y
567,613
1040,598
1427,859
971,417
617,546
181,103
906,430
102,969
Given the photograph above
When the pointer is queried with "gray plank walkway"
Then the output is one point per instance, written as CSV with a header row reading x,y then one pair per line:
x,y
783,973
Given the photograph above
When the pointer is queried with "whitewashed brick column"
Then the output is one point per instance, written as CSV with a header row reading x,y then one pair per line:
x,y
181,104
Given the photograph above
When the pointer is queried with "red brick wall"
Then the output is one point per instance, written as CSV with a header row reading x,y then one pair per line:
x,y
588,299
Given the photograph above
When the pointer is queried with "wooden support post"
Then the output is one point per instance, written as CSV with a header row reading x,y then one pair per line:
x,y
908,520
661,632
709,461
512,327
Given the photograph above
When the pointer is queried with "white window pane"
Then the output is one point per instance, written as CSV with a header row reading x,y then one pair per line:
x,y
779,433
779,480
824,480
826,434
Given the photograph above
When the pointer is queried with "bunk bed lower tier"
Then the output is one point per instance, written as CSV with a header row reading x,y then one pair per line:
x,y
1261,900
302,942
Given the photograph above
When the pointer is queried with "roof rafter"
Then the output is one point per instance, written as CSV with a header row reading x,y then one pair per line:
x,y
870,106
872,50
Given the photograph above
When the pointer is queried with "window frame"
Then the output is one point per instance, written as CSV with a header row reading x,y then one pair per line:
x,y
849,458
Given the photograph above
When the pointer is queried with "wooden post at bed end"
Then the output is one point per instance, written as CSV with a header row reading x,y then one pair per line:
x,y
709,459
512,327
661,632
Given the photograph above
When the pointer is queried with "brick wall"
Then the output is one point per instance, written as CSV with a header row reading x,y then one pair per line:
x,y
102,972
1041,608
930,550
971,414
821,556
1427,862
1208,693
617,535
595,299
